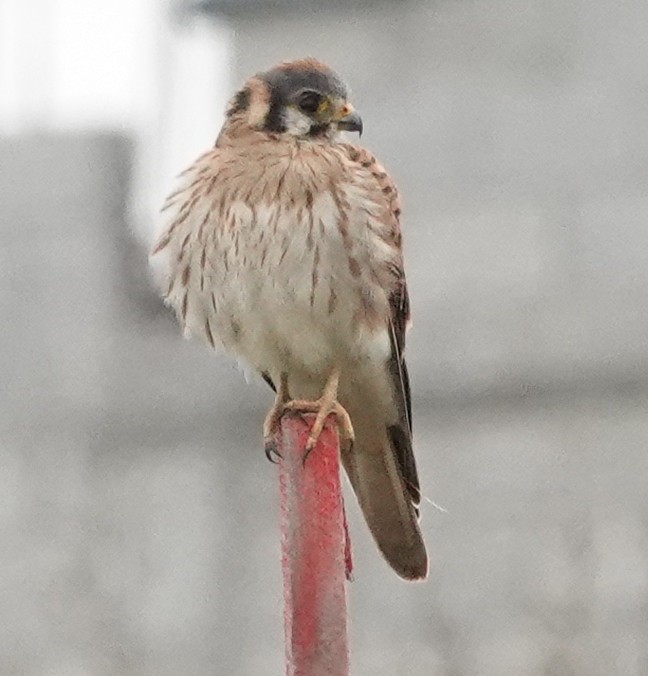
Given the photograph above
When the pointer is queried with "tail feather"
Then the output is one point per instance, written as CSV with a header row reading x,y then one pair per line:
x,y
386,502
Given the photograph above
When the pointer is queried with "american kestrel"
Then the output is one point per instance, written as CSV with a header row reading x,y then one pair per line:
x,y
283,246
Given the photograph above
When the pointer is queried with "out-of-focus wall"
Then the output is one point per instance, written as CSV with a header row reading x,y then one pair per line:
x,y
138,522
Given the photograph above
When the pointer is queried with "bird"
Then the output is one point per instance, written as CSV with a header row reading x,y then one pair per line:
x,y
282,246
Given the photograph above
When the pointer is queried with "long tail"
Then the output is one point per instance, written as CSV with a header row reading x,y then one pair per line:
x,y
375,467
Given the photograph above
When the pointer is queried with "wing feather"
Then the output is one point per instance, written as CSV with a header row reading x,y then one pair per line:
x,y
399,304
382,467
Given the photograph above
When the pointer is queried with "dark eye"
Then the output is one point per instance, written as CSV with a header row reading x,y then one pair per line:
x,y
309,101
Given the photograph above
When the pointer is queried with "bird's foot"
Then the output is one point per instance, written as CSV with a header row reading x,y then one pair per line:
x,y
272,422
323,407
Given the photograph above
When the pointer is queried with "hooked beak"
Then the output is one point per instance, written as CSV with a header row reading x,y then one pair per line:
x,y
349,120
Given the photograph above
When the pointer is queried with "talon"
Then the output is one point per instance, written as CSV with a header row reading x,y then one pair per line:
x,y
309,446
347,446
272,452
323,407
307,452
273,421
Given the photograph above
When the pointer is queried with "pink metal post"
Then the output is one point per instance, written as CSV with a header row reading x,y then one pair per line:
x,y
316,557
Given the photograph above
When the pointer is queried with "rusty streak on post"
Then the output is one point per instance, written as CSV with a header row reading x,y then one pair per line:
x,y
315,552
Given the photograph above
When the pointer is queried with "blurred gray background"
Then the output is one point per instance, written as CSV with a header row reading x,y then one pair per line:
x,y
138,516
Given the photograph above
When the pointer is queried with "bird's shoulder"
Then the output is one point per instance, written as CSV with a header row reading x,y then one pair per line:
x,y
399,298
363,160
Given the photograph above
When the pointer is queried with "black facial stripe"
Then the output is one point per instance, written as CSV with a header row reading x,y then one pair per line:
x,y
240,102
319,129
274,120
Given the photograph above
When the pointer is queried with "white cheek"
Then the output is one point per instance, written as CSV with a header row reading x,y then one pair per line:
x,y
297,123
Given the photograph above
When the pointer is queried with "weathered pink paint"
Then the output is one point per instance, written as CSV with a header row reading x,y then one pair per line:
x,y
315,549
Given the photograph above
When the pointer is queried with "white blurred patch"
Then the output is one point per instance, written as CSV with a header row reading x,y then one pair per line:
x,y
297,123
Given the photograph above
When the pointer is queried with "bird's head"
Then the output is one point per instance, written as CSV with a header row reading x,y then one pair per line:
x,y
302,98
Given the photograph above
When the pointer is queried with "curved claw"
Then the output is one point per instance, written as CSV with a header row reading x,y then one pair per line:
x,y
347,446
323,409
272,422
307,451
272,452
